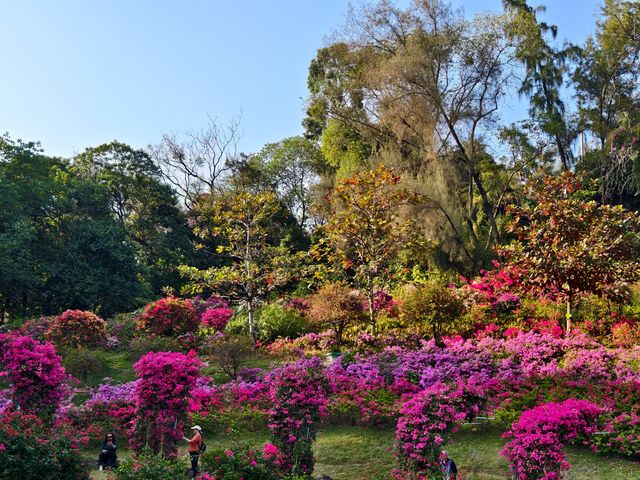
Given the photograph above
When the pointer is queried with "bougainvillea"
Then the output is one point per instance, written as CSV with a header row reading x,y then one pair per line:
x,y
38,379
165,381
169,316
76,329
298,393
426,421
536,448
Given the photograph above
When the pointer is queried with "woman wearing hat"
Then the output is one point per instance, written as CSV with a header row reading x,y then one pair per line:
x,y
194,447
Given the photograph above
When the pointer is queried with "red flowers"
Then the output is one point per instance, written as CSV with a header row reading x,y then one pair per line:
x,y
169,316
77,328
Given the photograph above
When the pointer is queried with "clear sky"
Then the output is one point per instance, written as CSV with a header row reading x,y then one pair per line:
x,y
79,73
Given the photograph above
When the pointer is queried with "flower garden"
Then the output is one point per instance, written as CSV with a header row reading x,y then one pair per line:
x,y
537,391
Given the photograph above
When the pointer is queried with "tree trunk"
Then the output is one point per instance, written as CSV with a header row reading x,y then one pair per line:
x,y
568,315
252,326
372,312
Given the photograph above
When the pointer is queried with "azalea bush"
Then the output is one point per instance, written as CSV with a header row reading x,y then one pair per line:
x,y
76,329
169,317
150,467
30,450
536,447
35,372
241,463
298,393
621,436
426,422
165,382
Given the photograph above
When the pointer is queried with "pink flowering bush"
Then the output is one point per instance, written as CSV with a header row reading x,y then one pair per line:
x,y
536,448
169,317
298,393
31,450
242,463
77,329
622,436
426,422
165,382
217,318
35,372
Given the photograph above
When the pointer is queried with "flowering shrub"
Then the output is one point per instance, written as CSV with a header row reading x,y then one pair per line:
x,y
169,317
217,318
77,328
247,464
110,408
622,436
625,334
29,450
150,467
299,395
535,451
36,327
426,421
165,381
38,379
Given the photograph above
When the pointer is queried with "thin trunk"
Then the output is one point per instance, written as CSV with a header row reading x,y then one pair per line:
x,y
568,315
372,313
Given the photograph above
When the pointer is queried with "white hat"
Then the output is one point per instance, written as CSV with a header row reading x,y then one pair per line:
x,y
196,427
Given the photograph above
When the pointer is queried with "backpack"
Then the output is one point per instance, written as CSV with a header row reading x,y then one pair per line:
x,y
203,447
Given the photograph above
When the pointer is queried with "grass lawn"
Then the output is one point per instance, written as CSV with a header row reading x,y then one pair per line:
x,y
354,453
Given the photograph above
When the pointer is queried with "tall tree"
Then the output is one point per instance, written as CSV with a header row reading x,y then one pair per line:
x,y
195,162
366,231
419,88
544,73
144,206
567,246
248,233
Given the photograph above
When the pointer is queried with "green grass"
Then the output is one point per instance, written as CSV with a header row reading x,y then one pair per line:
x,y
357,453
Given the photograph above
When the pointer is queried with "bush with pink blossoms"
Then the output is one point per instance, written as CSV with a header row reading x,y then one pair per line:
x,y
426,422
165,382
298,393
35,372
217,318
169,317
78,329
536,448
622,436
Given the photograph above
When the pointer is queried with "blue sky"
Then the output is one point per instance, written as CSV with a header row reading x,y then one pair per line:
x,y
80,73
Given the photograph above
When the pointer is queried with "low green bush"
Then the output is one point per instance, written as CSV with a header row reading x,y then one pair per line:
x,y
276,321
151,467
140,346
85,365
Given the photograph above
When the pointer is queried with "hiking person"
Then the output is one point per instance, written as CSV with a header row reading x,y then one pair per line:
x,y
107,457
195,443
448,466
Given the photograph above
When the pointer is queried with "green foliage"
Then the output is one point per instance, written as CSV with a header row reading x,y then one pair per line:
x,y
60,247
276,321
239,462
248,228
85,364
151,467
434,307
229,353
26,456
142,345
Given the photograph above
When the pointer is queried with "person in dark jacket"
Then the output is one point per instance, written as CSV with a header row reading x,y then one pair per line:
x,y
448,466
108,458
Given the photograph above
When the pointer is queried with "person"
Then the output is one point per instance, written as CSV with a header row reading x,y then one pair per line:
x,y
194,447
107,457
448,466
